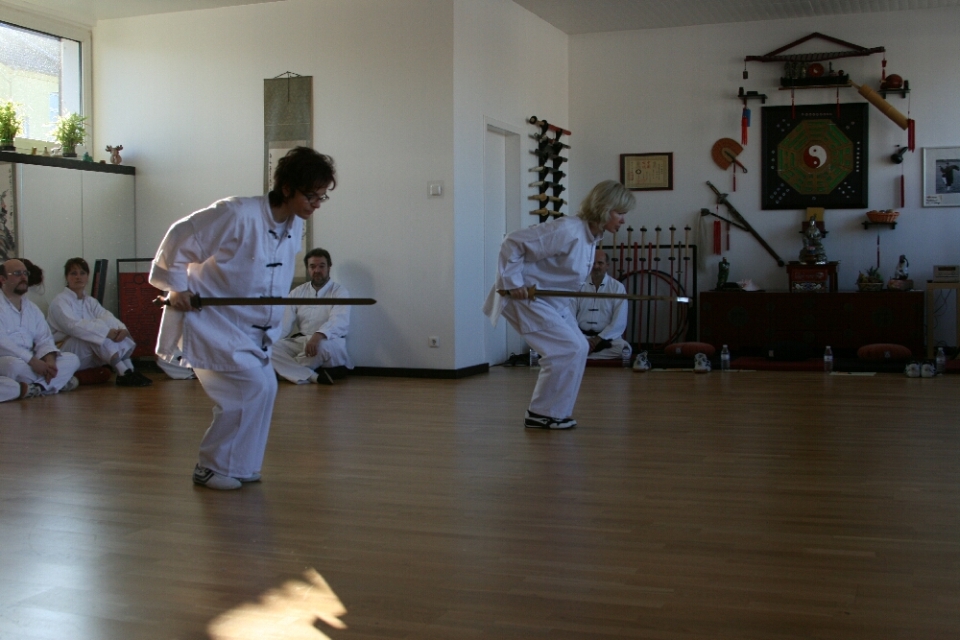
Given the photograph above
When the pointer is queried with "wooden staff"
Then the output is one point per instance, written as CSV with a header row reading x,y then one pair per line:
x,y
198,303
885,107
533,293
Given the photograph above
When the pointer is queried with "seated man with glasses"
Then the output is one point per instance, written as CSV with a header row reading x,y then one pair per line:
x,y
28,353
315,346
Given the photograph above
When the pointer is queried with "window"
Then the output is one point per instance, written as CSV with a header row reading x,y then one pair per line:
x,y
42,74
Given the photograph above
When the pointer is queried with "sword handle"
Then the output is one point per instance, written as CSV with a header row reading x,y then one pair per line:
x,y
531,292
195,302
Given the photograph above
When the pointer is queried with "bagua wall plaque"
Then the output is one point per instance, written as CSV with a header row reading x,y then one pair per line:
x,y
814,156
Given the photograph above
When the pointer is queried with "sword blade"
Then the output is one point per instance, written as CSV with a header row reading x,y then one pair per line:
x,y
534,293
198,303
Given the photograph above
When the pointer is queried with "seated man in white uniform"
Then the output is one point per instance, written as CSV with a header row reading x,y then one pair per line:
x,y
602,320
90,331
27,351
315,346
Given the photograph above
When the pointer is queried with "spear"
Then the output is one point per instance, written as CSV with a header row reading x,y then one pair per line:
x,y
533,293
198,303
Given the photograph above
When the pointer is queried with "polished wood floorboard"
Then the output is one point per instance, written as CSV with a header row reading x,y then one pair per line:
x,y
721,506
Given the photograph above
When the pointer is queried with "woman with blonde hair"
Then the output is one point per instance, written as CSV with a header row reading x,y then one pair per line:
x,y
555,255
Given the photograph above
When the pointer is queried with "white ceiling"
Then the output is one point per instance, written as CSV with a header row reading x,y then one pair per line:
x,y
570,16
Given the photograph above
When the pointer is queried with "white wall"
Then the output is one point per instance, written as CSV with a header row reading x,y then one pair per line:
x,y
183,93
508,65
675,90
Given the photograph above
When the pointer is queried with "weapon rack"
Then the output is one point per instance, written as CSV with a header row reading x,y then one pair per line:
x,y
549,169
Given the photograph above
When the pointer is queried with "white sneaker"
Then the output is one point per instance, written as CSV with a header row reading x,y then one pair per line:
x,y
928,370
72,384
33,390
532,421
213,480
912,370
641,364
701,363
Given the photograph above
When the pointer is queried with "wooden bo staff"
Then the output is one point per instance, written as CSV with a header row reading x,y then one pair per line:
x,y
546,212
533,293
198,303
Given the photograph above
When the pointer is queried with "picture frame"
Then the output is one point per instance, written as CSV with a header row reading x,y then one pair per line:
x,y
9,222
941,176
647,171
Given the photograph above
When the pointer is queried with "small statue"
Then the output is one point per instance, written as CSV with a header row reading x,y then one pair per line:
x,y
812,252
902,272
115,153
87,157
723,273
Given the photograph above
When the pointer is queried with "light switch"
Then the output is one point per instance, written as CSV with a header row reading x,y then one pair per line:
x,y
435,189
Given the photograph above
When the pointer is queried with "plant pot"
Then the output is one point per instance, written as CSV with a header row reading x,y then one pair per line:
x,y
69,152
7,145
870,286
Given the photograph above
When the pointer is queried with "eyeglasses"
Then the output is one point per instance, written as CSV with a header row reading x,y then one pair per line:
x,y
315,198
21,274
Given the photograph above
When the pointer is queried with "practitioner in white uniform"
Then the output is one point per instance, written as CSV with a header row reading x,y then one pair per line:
x,y
89,330
28,353
237,247
316,334
603,320
11,389
555,255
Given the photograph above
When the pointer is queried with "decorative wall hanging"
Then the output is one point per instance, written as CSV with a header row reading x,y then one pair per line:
x,y
549,163
647,171
814,156
8,212
287,123
941,177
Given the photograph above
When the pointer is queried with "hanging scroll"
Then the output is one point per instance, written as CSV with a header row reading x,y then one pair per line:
x,y
287,123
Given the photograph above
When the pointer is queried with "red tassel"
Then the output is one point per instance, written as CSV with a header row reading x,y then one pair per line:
x,y
743,131
734,176
911,134
717,247
883,70
902,205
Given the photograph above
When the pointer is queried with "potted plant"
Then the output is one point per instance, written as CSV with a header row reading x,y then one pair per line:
x,y
10,125
870,281
69,131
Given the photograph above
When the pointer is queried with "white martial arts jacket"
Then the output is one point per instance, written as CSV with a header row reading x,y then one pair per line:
x,y
233,248
332,321
605,316
84,319
554,255
24,334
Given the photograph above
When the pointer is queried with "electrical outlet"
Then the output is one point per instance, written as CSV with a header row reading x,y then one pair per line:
x,y
434,342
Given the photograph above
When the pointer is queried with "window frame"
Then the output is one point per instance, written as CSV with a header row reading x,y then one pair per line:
x,y
61,29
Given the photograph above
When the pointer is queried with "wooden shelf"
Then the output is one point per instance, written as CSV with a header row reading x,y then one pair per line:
x,y
817,86
867,224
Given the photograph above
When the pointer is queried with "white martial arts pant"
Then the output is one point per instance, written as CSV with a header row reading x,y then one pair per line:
x,y
292,363
115,354
613,352
176,371
9,389
563,356
19,370
237,438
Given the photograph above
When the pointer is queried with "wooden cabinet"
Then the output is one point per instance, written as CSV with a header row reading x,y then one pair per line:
x,y
748,322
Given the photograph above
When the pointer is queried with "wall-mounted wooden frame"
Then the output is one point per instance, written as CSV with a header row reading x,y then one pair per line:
x,y
647,171
941,176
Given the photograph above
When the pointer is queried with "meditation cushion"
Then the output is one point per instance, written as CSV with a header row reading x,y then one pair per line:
x,y
689,349
96,375
883,351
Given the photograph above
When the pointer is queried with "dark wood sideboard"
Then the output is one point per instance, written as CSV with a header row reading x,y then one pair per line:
x,y
749,322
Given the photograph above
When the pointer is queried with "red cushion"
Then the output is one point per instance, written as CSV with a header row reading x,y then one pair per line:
x,y
883,351
689,349
97,375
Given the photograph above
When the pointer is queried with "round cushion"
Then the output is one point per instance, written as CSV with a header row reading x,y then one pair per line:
x,y
883,351
689,349
97,375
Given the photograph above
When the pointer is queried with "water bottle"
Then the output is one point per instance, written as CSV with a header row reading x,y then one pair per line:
x,y
725,359
941,361
625,356
828,360
534,358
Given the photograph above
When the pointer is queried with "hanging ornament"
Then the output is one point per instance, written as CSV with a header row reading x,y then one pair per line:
x,y
744,124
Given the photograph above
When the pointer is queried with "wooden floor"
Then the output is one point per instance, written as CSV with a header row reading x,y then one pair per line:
x,y
740,505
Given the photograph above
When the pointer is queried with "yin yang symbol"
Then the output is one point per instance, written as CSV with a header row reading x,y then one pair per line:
x,y
815,156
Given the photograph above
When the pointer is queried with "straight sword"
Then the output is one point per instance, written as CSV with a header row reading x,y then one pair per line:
x,y
533,293
198,303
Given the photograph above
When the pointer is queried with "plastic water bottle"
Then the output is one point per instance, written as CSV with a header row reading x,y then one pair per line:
x,y
725,359
534,359
828,360
625,356
941,361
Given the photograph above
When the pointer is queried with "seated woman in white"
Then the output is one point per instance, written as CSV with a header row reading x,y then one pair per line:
x,y
90,331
